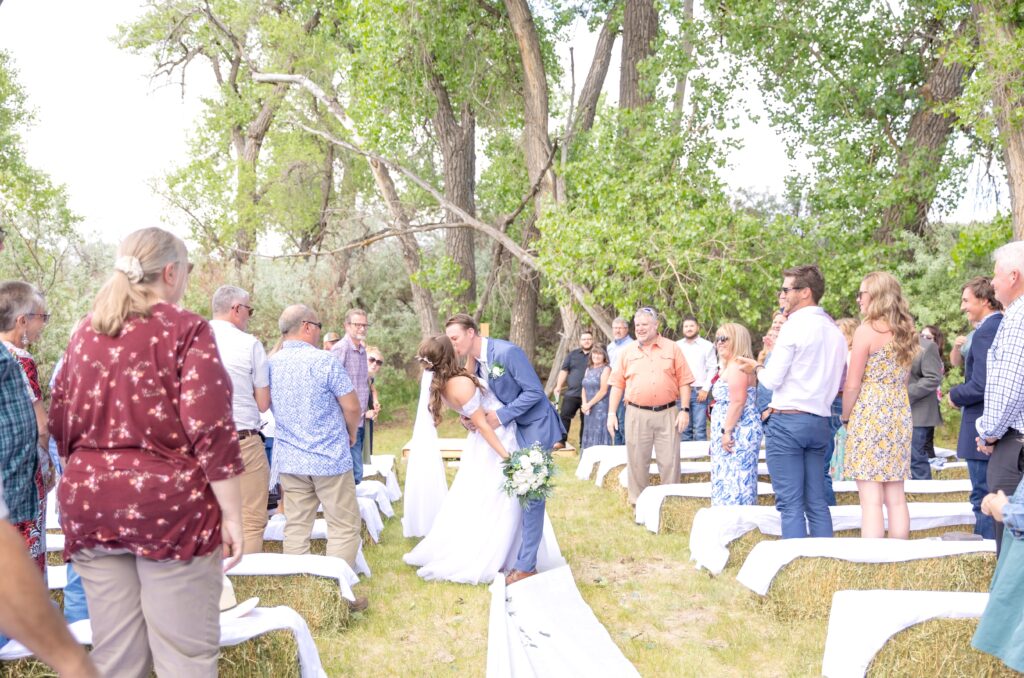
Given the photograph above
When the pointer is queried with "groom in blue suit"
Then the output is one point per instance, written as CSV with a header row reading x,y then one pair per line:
x,y
506,371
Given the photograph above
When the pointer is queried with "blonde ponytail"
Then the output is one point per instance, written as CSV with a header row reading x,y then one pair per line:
x,y
126,292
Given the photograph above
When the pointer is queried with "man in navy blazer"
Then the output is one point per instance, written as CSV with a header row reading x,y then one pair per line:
x,y
978,302
507,372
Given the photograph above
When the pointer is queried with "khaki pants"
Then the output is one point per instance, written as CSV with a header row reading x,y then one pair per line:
x,y
646,429
338,495
150,614
255,488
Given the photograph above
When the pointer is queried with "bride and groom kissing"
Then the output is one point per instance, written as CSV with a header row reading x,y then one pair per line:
x,y
480,531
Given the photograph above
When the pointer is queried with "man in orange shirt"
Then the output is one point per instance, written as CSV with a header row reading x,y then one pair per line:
x,y
654,375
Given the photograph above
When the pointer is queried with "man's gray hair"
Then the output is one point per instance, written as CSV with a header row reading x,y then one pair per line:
x,y
353,312
227,296
649,312
619,320
17,298
293,317
1011,256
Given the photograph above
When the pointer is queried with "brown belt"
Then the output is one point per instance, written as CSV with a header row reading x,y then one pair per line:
x,y
772,410
242,435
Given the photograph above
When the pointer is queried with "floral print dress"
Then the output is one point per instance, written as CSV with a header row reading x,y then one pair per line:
x,y
880,428
734,474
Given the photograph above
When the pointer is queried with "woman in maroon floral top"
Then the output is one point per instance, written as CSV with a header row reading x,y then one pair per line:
x,y
141,414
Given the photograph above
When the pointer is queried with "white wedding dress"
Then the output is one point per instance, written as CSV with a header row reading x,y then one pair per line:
x,y
477,532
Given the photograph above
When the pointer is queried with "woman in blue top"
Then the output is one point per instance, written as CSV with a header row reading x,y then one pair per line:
x,y
1001,629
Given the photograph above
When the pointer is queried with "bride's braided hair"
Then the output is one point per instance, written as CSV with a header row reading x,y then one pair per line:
x,y
437,353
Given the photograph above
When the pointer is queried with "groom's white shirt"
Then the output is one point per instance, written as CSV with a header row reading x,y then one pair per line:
x,y
482,362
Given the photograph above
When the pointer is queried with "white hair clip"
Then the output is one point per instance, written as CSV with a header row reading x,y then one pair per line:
x,y
131,267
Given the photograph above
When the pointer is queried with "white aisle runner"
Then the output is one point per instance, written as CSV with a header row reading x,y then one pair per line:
x,y
542,627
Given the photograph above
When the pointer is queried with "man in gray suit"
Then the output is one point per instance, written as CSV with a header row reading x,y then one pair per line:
x,y
925,379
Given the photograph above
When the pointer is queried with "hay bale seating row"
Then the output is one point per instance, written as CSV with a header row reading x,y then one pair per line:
x,y
938,647
790,596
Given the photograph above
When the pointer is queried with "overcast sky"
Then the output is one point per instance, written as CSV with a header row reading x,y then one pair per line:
x,y
107,132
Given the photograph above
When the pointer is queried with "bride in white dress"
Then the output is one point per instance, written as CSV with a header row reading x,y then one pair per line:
x,y
476,533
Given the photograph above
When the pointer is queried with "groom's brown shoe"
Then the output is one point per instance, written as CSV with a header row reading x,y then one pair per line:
x,y
517,575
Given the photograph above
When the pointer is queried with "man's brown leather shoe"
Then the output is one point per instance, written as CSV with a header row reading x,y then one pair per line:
x,y
517,575
359,604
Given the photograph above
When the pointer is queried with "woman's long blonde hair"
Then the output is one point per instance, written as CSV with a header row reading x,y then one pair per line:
x,y
888,304
436,353
739,338
119,297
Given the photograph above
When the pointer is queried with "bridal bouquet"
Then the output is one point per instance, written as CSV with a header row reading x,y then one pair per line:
x,y
528,473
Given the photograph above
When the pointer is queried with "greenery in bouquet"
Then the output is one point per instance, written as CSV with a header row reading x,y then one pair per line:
x,y
528,473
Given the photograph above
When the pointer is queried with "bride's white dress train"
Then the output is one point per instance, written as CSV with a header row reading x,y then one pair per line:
x,y
477,532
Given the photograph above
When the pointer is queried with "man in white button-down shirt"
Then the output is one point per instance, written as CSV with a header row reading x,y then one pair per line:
x,y
804,374
703,361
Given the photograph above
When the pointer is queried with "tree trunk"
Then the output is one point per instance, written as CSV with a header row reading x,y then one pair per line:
x,y
682,77
313,237
591,92
998,37
536,149
422,300
921,154
457,139
639,29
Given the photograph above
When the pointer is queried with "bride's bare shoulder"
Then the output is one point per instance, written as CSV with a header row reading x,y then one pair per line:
x,y
459,390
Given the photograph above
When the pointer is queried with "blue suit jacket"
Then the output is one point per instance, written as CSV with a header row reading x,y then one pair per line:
x,y
970,395
520,391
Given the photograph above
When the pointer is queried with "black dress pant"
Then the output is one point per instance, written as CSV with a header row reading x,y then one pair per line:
x,y
570,406
1005,469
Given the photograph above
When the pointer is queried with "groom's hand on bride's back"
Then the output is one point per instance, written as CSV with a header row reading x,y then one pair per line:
x,y
492,419
467,423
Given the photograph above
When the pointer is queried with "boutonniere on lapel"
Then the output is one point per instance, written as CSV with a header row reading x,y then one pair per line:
x,y
495,370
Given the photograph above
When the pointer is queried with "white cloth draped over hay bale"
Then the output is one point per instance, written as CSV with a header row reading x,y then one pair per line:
x,y
862,621
650,501
275,532
714,528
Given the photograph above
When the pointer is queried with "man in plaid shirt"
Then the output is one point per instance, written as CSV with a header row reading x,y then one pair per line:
x,y
1001,426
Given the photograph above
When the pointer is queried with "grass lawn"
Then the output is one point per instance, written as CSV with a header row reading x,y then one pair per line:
x,y
668,618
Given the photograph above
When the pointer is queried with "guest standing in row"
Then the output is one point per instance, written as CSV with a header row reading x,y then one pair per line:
x,y
620,339
764,395
351,353
735,422
1001,425
374,361
876,406
245,359
595,400
652,376
700,356
803,374
978,302
150,494
22,319
923,387
570,378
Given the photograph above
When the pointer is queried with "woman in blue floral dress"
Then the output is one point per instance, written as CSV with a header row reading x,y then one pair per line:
x,y
735,422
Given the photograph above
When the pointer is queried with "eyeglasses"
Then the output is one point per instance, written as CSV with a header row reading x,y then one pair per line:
x,y
860,293
252,311
375,361
363,325
319,326
44,316
928,336
787,290
721,340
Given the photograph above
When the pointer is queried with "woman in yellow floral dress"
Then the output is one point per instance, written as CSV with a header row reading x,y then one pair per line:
x,y
876,406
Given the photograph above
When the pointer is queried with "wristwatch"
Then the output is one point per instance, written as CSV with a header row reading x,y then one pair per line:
x,y
686,409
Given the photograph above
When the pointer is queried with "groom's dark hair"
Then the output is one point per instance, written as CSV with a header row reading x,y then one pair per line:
x,y
463,319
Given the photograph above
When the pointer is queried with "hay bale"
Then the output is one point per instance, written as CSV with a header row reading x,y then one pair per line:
x,y
694,478
271,655
962,497
916,534
317,599
938,647
740,548
611,481
791,597
316,547
950,474
677,512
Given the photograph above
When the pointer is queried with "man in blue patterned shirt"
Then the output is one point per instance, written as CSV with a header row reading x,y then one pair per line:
x,y
317,414
1001,425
